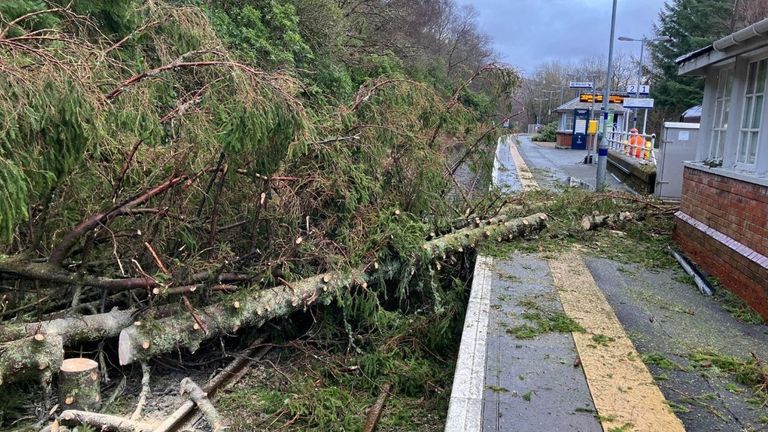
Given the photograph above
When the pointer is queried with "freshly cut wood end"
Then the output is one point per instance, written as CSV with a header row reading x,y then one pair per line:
x,y
78,364
145,344
586,223
299,240
39,337
236,305
326,278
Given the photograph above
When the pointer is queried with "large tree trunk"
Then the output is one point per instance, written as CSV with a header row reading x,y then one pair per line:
x,y
23,353
253,308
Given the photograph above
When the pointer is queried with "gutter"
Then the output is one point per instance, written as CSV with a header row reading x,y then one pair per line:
x,y
759,28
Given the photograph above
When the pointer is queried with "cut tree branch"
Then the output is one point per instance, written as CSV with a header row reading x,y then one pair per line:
x,y
62,250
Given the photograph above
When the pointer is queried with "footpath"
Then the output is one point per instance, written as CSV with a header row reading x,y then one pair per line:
x,y
554,343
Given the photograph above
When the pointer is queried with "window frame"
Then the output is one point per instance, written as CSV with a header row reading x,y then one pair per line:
x,y
722,109
747,116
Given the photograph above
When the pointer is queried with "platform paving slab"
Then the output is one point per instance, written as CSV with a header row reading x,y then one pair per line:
x,y
531,384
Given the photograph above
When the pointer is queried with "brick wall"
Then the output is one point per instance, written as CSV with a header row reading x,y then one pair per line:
x,y
735,209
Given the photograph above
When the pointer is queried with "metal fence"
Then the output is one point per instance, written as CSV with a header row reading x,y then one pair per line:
x,y
637,146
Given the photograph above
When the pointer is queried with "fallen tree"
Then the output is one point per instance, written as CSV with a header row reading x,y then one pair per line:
x,y
249,307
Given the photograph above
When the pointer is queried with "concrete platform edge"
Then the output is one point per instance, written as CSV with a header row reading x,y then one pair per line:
x,y
465,411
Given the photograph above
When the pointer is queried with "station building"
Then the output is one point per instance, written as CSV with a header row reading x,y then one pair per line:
x,y
722,224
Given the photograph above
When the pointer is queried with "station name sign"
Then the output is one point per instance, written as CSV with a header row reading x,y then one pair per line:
x,y
580,85
588,97
646,103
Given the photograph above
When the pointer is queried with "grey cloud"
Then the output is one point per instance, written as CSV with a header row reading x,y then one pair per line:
x,y
527,33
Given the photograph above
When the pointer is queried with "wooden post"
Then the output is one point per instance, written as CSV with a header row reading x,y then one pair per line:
x,y
79,387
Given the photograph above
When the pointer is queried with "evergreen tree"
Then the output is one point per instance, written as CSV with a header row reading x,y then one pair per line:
x,y
690,25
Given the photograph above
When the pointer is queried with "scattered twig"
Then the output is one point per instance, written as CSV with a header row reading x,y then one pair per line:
x,y
375,413
145,391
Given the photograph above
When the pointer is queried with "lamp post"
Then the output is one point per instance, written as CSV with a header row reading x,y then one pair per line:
x,y
602,153
538,116
642,41
549,104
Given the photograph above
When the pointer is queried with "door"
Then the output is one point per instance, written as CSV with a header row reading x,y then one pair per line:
x,y
678,144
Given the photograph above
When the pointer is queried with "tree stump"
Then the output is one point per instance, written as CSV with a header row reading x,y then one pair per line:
x,y
79,387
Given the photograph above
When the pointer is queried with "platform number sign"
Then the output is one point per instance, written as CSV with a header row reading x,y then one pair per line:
x,y
644,89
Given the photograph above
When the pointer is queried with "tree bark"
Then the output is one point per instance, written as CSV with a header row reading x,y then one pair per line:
x,y
201,400
30,357
589,223
74,329
375,414
102,422
79,387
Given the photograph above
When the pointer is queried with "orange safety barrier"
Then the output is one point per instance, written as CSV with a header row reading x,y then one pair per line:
x,y
636,144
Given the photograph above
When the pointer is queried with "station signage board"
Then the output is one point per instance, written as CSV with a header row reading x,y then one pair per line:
x,y
580,85
638,103
589,97
642,89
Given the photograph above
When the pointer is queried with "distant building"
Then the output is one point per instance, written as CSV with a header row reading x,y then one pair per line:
x,y
567,113
722,224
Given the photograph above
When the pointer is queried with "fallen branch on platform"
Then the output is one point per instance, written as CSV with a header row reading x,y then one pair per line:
x,y
589,223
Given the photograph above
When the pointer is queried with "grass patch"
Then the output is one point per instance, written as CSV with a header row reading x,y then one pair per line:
x,y
528,395
543,321
677,408
626,427
496,389
602,339
735,305
660,361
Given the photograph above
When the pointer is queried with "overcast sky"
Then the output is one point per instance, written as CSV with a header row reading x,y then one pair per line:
x,y
529,32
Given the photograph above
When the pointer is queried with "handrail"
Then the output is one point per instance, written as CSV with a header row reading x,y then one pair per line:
x,y
634,145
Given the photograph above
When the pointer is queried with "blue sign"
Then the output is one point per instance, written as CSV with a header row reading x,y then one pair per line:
x,y
580,123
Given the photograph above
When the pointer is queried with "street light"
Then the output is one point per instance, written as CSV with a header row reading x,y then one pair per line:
x,y
538,116
642,41
549,104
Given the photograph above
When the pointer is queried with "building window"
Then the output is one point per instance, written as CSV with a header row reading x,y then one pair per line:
x,y
746,155
566,122
722,108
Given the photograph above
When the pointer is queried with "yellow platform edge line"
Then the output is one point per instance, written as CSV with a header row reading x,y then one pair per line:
x,y
623,390
523,173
